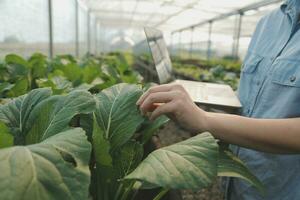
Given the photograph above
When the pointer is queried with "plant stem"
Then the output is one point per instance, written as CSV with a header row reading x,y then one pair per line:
x,y
161,194
135,187
127,191
120,188
134,194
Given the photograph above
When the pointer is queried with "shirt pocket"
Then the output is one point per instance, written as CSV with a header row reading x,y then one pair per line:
x,y
249,77
287,73
281,95
251,63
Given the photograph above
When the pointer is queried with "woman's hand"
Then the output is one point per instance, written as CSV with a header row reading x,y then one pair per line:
x,y
173,101
259,134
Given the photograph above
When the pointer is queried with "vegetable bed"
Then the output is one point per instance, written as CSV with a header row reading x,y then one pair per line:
x,y
214,71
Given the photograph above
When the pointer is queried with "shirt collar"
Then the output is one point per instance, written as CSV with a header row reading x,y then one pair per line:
x,y
291,7
283,6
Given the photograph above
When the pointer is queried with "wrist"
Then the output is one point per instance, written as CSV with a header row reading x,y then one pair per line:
x,y
203,121
207,119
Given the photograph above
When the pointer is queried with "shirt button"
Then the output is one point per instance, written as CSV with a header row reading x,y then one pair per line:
x,y
258,83
293,79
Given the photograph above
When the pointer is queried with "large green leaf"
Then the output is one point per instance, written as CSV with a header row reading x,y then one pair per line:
x,y
117,113
19,114
38,65
55,113
19,88
6,139
38,115
112,167
57,168
72,72
4,76
149,128
5,87
86,123
127,158
116,120
16,66
101,146
230,165
90,73
111,72
59,84
191,164
104,176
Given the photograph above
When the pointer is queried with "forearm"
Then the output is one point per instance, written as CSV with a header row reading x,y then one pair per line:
x,y
269,135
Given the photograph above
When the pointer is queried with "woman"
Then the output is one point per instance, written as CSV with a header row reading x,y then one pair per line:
x,y
267,135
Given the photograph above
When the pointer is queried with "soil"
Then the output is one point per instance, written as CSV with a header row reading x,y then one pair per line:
x,y
171,134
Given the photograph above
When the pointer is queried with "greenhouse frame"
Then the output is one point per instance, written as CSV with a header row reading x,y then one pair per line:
x,y
89,22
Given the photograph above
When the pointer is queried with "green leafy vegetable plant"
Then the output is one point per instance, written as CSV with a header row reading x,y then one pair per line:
x,y
42,156
118,136
63,73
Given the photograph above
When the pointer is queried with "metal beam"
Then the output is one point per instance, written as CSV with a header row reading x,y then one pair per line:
x,y
235,12
121,22
189,6
118,12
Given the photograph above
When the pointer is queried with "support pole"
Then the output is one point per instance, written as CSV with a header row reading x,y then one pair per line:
x,y
77,28
89,31
238,36
179,44
96,38
234,36
191,44
209,40
50,29
171,45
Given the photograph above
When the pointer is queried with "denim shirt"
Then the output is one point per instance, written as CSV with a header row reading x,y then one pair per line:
x,y
270,88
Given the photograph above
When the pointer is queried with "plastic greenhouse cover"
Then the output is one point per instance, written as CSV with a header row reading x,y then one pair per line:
x,y
121,21
166,14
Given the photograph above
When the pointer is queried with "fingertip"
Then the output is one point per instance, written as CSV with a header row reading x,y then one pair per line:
x,y
138,102
141,99
143,112
153,116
